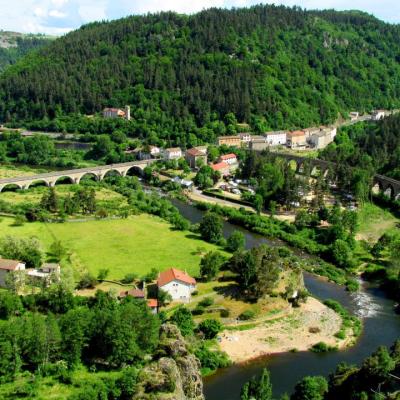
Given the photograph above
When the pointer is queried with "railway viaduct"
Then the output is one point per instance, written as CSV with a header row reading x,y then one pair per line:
x,y
381,184
74,175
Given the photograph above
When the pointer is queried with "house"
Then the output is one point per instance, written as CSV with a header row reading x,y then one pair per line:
x,y
153,305
136,293
230,159
259,144
7,267
275,138
154,151
378,115
48,273
172,153
203,149
233,141
223,168
321,138
194,156
296,140
117,113
177,283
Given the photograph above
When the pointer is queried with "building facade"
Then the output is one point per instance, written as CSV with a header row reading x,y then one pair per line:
x,y
296,140
193,157
177,283
276,138
8,267
233,141
172,153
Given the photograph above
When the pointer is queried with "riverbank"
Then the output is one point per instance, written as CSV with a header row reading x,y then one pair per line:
x,y
311,323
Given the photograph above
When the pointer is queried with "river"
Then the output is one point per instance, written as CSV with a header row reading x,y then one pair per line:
x,y
381,326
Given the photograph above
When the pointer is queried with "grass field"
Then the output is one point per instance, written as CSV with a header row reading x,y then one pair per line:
x,y
34,194
374,222
136,244
11,171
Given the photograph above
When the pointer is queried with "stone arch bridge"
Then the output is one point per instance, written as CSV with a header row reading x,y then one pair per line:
x,y
75,175
381,183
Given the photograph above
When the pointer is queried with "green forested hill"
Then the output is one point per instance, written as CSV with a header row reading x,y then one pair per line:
x,y
15,45
273,67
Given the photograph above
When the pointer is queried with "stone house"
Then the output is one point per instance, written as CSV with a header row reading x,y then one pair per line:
x,y
192,157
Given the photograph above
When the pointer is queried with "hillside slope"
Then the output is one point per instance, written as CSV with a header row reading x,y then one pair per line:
x,y
273,67
14,46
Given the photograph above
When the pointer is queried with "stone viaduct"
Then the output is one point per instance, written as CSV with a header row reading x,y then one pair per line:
x,y
74,175
381,184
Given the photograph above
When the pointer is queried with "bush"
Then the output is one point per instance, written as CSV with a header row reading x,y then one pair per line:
x,y
129,278
19,220
206,302
225,313
322,347
352,285
199,310
211,360
195,293
87,281
210,328
246,315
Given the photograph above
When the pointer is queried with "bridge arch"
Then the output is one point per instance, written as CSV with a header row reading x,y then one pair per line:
x,y
61,180
134,170
10,187
87,176
377,187
389,192
110,173
38,182
292,163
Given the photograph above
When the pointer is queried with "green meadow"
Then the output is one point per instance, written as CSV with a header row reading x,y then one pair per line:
x,y
133,245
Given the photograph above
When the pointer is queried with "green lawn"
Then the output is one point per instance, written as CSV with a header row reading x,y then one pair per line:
x,y
374,222
136,244
11,171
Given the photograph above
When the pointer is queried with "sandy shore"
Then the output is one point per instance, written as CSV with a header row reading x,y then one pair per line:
x,y
285,334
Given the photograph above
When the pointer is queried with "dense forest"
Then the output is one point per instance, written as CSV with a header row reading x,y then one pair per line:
x,y
287,68
14,46
372,147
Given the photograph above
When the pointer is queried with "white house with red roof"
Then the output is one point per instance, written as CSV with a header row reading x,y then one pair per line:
x,y
230,159
7,267
177,283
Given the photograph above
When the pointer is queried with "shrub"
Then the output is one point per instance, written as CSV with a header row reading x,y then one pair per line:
x,y
246,315
206,302
210,328
199,310
129,278
322,347
87,281
225,313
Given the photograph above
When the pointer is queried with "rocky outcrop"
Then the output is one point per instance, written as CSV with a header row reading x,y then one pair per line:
x,y
176,373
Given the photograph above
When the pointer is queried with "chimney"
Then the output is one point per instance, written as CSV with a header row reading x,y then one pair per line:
x,y
128,113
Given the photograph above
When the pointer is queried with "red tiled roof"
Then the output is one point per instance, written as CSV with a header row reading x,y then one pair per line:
x,y
173,274
152,303
296,133
194,152
10,265
219,166
228,156
138,294
173,149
